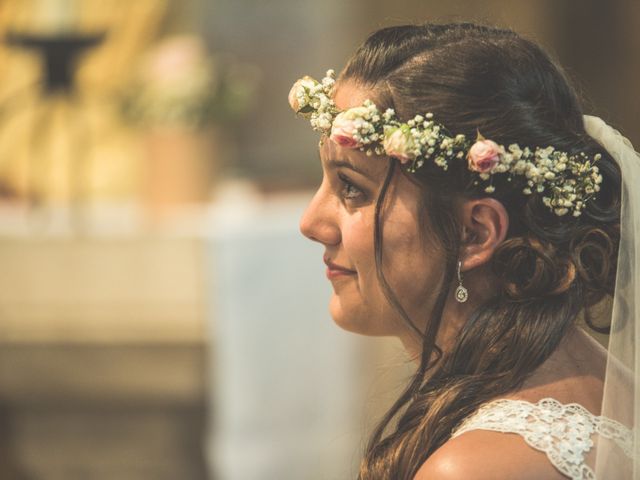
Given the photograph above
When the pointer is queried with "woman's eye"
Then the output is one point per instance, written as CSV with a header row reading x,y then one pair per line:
x,y
349,190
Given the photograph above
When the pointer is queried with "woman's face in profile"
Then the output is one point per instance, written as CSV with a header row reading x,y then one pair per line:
x,y
341,217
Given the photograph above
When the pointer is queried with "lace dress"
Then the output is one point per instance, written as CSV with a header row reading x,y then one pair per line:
x,y
562,431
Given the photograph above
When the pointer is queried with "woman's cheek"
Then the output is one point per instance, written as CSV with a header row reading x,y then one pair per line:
x,y
404,260
358,236
358,243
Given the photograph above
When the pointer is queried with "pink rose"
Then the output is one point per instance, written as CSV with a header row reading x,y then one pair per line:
x,y
399,144
483,156
344,128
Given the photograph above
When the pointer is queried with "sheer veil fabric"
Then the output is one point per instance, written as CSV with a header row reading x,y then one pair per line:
x,y
621,397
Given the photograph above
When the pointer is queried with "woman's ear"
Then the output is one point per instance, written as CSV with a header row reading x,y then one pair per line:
x,y
484,224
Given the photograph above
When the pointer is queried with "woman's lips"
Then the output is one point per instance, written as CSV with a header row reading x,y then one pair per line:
x,y
335,271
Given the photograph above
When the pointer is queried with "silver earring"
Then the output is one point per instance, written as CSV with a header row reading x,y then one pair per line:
x,y
461,293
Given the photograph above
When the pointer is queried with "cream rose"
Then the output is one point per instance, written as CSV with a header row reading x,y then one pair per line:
x,y
399,144
299,90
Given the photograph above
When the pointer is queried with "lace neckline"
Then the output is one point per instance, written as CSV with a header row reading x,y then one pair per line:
x,y
562,431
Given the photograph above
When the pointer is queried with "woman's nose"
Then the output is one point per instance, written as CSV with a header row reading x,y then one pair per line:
x,y
318,221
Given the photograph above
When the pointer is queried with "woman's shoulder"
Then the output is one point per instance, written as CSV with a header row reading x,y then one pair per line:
x,y
515,438
512,438
544,430
487,455
500,439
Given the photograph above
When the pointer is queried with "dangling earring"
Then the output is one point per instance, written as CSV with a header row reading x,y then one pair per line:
x,y
461,293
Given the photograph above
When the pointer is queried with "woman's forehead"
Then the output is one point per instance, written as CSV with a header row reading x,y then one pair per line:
x,y
349,94
372,166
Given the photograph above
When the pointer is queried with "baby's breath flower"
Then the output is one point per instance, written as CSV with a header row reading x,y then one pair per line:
x,y
568,180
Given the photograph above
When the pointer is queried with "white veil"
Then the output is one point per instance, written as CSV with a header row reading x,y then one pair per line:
x,y
621,399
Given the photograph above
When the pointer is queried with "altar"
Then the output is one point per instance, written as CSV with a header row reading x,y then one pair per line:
x,y
202,349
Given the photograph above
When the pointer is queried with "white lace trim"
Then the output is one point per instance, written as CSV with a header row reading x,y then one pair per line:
x,y
561,431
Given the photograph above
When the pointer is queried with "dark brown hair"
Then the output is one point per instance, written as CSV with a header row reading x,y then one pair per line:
x,y
550,268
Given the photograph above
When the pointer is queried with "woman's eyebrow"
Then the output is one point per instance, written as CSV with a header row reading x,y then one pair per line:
x,y
333,163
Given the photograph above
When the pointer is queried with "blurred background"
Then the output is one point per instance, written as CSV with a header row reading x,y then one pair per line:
x,y
161,317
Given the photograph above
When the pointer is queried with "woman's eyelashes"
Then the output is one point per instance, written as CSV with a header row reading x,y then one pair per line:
x,y
349,190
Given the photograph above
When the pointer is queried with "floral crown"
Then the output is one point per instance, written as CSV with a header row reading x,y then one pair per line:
x,y
567,181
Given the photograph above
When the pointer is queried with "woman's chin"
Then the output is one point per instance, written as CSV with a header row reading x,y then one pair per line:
x,y
355,320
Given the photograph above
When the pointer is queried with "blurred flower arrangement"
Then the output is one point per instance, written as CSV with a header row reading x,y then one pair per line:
x,y
178,84
184,100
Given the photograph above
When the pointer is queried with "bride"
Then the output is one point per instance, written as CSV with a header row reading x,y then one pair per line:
x,y
470,209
